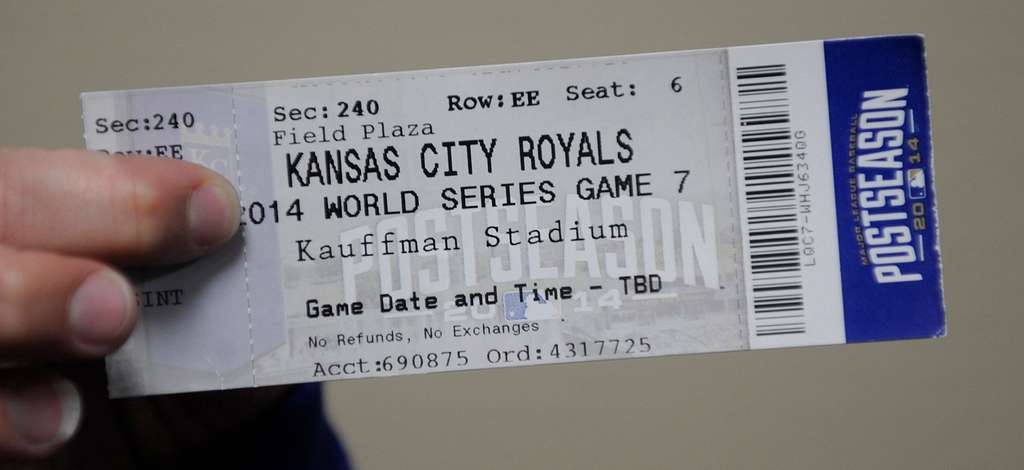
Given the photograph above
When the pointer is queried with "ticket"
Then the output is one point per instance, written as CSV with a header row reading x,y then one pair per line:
x,y
539,213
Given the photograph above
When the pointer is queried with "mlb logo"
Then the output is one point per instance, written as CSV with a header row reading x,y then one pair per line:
x,y
915,177
531,307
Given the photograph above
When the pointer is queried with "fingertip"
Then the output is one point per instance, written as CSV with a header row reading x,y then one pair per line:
x,y
71,409
128,210
213,213
41,414
102,312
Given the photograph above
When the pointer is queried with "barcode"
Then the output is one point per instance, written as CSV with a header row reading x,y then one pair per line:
x,y
769,187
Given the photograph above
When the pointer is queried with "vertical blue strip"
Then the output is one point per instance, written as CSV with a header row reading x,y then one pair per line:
x,y
889,255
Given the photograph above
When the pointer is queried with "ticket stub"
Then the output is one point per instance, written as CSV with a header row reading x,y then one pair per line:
x,y
539,213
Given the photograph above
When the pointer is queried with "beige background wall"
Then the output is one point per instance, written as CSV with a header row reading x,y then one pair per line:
x,y
951,403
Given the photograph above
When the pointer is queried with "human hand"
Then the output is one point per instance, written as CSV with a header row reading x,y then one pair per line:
x,y
66,219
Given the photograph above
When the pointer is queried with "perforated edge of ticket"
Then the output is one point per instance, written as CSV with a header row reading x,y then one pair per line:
x,y
604,208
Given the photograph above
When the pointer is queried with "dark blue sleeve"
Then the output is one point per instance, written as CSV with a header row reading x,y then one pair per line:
x,y
295,436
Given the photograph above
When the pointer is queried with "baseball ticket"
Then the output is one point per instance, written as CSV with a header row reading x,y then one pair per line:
x,y
539,213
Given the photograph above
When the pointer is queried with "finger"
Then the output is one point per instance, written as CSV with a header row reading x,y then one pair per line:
x,y
124,209
55,306
37,415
